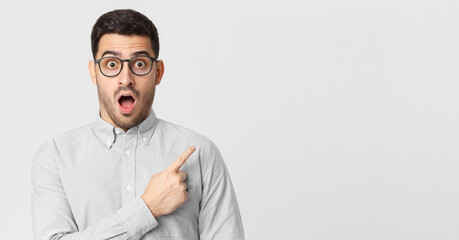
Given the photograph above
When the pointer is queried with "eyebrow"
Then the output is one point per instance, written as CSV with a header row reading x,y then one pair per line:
x,y
110,52
143,52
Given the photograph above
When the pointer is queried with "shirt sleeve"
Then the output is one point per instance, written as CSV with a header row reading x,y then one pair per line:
x,y
219,217
52,217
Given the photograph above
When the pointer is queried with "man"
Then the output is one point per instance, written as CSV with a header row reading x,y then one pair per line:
x,y
119,177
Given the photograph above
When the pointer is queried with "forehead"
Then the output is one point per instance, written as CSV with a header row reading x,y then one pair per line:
x,y
125,45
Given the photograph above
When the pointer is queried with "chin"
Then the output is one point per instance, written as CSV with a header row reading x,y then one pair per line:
x,y
132,119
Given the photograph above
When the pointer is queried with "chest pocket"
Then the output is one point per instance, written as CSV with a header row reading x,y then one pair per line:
x,y
180,223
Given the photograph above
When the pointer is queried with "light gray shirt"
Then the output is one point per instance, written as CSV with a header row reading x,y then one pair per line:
x,y
87,183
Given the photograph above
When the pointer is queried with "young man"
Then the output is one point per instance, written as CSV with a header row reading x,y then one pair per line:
x,y
119,177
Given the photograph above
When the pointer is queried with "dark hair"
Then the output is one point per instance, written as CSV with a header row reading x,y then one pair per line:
x,y
124,22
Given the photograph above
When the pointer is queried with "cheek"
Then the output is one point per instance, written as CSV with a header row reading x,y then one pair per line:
x,y
147,92
106,90
105,85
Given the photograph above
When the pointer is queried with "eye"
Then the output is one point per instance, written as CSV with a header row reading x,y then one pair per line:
x,y
112,64
139,64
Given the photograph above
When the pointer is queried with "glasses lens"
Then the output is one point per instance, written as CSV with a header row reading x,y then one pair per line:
x,y
110,66
141,65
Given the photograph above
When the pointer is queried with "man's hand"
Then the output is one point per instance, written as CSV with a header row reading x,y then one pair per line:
x,y
166,190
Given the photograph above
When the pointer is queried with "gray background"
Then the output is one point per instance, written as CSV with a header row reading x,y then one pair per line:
x,y
337,119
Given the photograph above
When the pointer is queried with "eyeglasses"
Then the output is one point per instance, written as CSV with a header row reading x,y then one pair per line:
x,y
112,66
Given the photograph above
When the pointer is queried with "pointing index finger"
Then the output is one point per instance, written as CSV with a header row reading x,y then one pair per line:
x,y
175,166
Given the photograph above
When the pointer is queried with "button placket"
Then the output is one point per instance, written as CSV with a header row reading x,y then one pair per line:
x,y
129,167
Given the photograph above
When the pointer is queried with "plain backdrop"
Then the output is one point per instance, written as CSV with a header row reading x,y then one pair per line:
x,y
336,119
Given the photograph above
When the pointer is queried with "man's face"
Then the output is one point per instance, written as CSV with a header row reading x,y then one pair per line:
x,y
125,99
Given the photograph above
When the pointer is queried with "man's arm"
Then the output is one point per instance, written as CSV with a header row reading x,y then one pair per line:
x,y
53,218
219,217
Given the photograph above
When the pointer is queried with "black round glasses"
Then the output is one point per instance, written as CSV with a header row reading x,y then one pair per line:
x,y
112,66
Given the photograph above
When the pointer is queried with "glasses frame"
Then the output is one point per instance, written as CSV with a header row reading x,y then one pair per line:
x,y
153,60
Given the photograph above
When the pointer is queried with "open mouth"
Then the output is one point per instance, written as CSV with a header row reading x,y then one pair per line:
x,y
126,103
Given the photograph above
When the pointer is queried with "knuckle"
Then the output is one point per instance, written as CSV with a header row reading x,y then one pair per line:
x,y
184,197
177,179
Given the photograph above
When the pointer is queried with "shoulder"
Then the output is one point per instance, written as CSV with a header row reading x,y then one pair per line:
x,y
172,131
172,134
65,140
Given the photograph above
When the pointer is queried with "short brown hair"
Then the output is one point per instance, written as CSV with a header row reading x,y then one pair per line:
x,y
124,22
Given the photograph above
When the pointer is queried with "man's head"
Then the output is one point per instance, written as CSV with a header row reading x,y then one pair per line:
x,y
124,22
126,89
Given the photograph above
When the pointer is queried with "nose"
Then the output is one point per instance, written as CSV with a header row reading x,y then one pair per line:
x,y
126,77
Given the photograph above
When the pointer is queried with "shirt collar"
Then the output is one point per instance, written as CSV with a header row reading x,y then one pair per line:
x,y
106,133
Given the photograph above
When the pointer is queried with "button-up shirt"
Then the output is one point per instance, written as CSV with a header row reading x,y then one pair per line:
x,y
87,183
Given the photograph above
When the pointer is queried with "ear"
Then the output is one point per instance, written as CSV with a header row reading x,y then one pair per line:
x,y
159,71
92,72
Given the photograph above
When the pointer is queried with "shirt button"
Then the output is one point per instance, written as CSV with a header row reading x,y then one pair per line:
x,y
117,131
128,188
128,153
